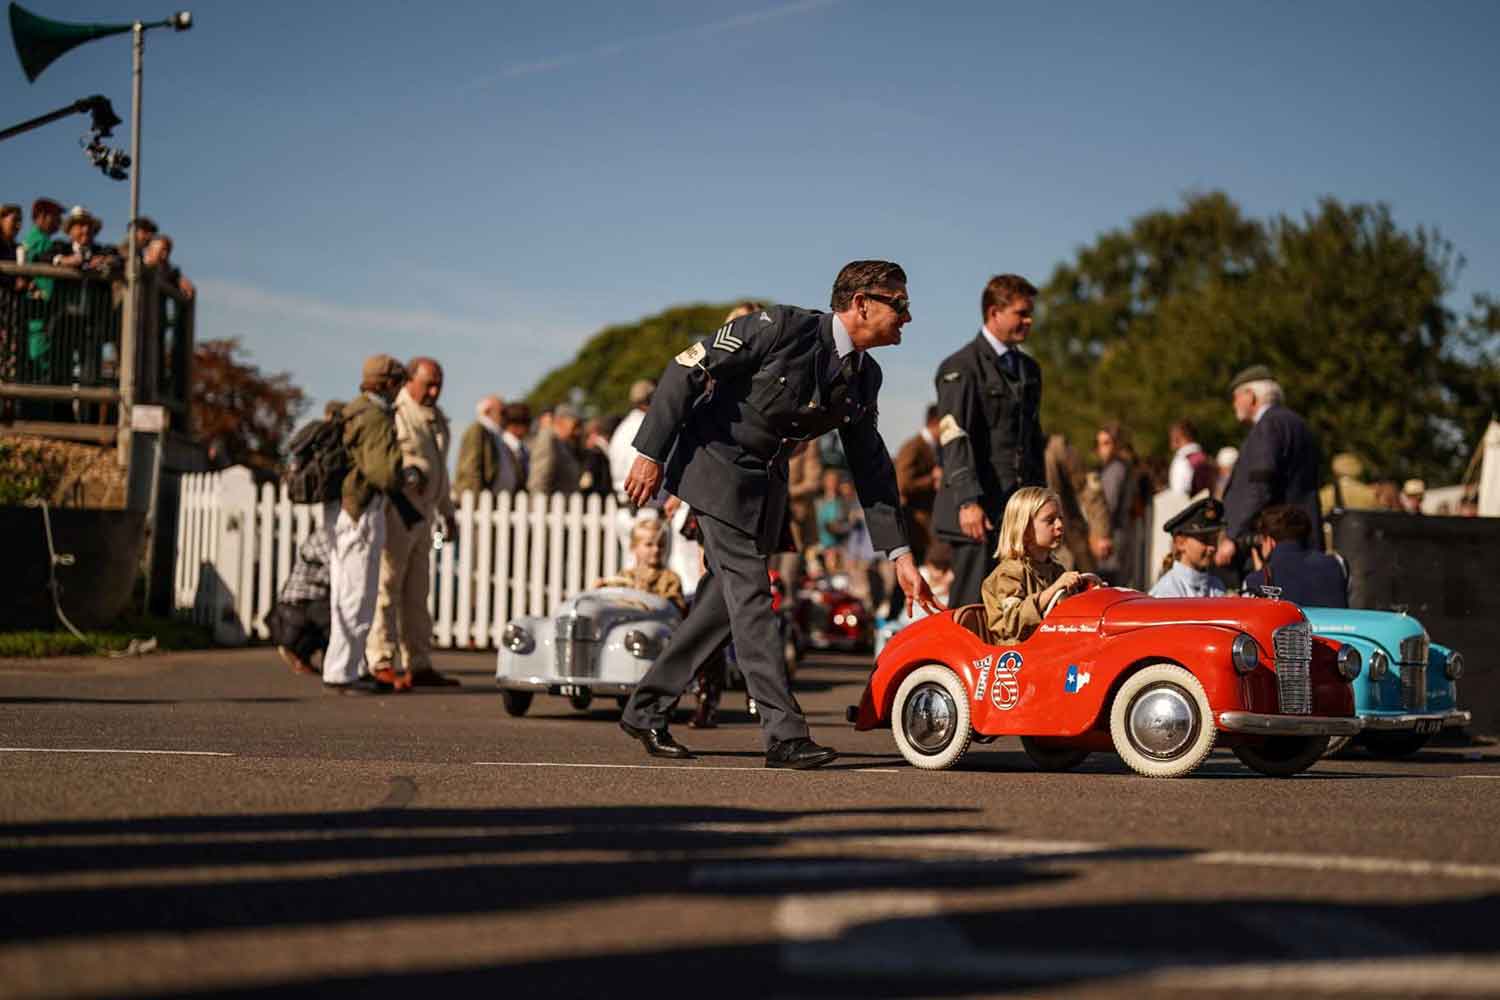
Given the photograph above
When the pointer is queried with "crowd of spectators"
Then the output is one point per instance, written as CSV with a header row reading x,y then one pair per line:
x,y
56,331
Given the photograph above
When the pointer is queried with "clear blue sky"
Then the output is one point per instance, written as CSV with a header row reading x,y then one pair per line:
x,y
492,183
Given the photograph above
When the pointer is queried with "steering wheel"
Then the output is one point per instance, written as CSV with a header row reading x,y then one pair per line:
x,y
1086,582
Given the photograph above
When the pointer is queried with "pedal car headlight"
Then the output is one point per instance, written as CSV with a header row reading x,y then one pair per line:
x,y
1455,668
1380,665
1349,663
517,639
1243,654
641,646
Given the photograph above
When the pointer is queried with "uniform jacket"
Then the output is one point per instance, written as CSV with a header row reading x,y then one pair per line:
x,y
424,436
1279,463
726,454
478,460
1012,610
1305,576
374,453
991,435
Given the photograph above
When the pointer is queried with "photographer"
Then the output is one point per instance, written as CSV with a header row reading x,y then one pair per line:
x,y
1285,561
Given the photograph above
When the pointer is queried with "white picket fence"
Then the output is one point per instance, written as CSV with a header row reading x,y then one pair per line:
x,y
514,556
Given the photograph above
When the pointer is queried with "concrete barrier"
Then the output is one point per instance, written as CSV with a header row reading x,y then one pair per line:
x,y
1441,570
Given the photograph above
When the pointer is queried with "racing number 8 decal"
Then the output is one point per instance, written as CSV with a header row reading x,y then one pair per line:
x,y
1005,694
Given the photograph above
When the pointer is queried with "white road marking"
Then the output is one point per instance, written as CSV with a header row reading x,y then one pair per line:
x,y
169,753
632,767
827,915
1359,865
1481,777
1438,974
989,847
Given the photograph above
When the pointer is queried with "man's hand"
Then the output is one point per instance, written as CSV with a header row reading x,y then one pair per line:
x,y
644,480
670,507
974,522
1225,553
918,594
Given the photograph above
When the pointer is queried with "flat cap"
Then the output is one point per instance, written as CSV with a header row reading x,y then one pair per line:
x,y
564,411
381,366
641,391
515,413
1206,517
1255,373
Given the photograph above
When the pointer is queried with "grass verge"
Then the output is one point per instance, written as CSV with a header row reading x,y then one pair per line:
x,y
170,633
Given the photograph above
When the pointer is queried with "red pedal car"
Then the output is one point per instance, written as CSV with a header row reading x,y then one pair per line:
x,y
1158,681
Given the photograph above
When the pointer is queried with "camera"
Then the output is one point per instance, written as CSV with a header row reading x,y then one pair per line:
x,y
115,163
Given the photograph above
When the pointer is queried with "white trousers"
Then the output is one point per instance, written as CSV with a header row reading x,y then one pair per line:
x,y
354,582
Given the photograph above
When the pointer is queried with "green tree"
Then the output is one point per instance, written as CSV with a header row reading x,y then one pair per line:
x,y
618,355
1148,324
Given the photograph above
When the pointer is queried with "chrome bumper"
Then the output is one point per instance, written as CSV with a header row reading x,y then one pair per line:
x,y
1288,725
549,685
1389,723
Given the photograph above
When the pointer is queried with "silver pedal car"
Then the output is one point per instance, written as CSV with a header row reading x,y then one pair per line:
x,y
599,642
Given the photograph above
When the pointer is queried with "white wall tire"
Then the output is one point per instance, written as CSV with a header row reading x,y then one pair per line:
x,y
1161,722
1282,756
1050,755
930,718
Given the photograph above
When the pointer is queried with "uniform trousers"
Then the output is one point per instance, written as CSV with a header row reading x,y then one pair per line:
x,y
733,600
402,633
972,562
353,579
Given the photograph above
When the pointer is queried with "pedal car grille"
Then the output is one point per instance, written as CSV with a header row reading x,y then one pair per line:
x,y
575,646
1293,647
1414,671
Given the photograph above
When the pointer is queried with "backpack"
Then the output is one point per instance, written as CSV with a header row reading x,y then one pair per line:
x,y
317,463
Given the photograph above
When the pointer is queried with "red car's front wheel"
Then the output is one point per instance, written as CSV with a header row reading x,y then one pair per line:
x,y
930,718
1161,722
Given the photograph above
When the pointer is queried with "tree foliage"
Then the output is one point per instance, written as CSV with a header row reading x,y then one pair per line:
x,y
618,355
243,415
1148,324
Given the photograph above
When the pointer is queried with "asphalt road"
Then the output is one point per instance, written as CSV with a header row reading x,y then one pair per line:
x,y
279,841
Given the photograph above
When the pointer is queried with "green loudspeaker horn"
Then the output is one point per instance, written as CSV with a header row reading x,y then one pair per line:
x,y
40,40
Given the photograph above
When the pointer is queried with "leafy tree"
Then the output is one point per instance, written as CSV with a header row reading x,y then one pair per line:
x,y
618,355
1149,323
243,415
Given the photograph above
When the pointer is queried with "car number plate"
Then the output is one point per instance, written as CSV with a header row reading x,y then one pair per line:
x,y
1428,726
568,690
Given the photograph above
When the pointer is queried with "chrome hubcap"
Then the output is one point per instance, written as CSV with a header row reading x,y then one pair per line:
x,y
929,718
1162,722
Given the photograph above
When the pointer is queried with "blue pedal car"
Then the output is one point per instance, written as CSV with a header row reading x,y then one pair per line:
x,y
1408,691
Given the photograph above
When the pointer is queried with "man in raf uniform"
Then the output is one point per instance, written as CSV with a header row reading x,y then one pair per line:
x,y
990,432
767,380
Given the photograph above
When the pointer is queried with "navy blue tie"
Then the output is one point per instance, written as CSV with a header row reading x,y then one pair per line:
x,y
1011,362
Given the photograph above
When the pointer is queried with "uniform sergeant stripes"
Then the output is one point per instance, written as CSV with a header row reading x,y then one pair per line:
x,y
726,341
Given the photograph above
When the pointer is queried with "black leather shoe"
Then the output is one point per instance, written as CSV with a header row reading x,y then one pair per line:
x,y
658,742
362,685
801,754
432,679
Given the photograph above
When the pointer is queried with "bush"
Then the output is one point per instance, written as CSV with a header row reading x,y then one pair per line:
x,y
30,468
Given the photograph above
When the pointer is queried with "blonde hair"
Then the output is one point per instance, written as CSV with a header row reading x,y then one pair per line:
x,y
651,528
1019,512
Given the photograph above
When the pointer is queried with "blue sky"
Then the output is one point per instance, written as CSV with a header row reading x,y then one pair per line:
x,y
492,183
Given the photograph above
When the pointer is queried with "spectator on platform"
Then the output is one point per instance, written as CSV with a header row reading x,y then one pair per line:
x,y
1287,562
299,621
1191,471
479,451
158,259
356,523
401,638
46,217
556,460
11,252
10,232
80,226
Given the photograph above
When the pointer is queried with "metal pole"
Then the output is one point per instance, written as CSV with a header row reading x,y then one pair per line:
x,y
131,319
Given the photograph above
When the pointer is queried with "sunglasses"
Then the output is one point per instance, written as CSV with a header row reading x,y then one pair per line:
x,y
901,304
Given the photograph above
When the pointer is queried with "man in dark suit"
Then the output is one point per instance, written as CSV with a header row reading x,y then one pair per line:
x,y
726,414
1279,463
918,475
990,432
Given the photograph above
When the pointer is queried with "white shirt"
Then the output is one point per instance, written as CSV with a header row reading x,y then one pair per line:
x,y
931,441
621,449
1260,411
515,444
1180,474
1001,348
